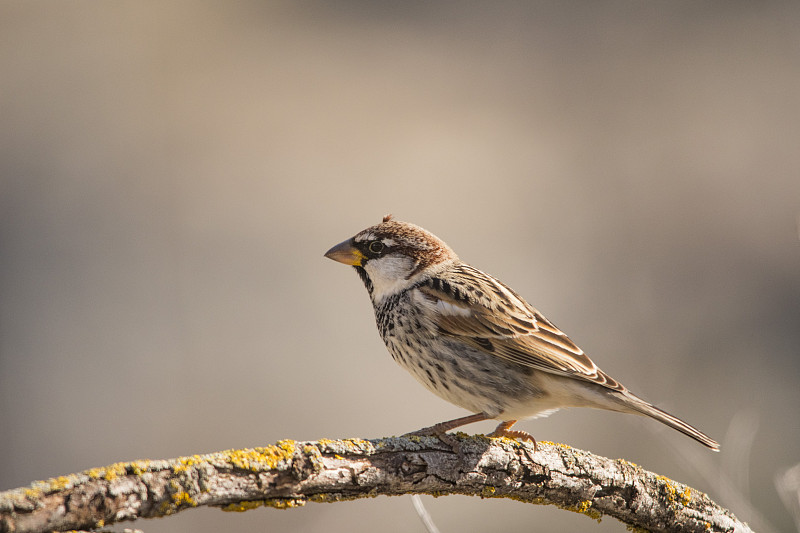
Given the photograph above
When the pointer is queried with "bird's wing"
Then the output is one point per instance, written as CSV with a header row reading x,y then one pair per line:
x,y
484,313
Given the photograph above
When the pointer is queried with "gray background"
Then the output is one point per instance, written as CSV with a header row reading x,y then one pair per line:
x,y
171,174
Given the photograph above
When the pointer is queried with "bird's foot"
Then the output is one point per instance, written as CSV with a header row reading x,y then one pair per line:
x,y
503,430
440,430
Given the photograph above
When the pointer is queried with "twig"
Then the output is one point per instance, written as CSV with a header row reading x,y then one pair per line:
x,y
424,515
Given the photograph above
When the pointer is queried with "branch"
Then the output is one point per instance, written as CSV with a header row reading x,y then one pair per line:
x,y
290,473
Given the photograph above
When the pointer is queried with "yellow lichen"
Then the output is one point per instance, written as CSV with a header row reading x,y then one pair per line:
x,y
184,463
314,457
285,503
179,497
60,483
584,508
183,498
672,491
109,473
259,459
488,492
555,444
669,489
627,463
360,444
140,467
240,507
32,494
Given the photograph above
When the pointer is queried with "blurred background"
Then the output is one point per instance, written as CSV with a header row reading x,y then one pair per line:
x,y
172,172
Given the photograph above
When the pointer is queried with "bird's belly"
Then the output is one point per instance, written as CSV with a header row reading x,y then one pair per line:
x,y
471,379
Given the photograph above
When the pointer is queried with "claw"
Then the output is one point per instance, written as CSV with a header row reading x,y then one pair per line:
x,y
503,430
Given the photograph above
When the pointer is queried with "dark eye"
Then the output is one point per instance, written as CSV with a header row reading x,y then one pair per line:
x,y
376,247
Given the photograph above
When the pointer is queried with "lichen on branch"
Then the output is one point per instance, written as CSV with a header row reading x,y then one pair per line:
x,y
289,474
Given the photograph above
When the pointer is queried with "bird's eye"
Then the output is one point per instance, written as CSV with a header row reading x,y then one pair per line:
x,y
376,247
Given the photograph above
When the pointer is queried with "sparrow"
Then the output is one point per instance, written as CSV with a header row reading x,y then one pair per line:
x,y
473,341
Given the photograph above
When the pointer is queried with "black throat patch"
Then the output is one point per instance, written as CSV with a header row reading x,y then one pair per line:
x,y
364,278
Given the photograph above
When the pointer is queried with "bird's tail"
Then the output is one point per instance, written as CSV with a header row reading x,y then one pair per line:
x,y
642,407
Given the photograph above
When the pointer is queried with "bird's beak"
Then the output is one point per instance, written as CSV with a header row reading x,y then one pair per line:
x,y
346,253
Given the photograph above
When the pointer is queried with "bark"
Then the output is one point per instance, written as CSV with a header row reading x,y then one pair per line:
x,y
290,474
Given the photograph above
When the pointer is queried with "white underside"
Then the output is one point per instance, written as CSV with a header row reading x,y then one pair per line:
x,y
559,393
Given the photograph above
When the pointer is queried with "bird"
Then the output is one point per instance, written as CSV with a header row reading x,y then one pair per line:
x,y
473,341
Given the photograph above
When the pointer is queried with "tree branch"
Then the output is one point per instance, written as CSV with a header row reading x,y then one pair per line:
x,y
290,473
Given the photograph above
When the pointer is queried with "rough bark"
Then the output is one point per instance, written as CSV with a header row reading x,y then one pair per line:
x,y
289,474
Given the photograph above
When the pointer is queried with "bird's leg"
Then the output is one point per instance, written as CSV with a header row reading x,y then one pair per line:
x,y
440,430
504,430
437,430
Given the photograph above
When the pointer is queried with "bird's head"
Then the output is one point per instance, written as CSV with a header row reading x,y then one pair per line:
x,y
392,256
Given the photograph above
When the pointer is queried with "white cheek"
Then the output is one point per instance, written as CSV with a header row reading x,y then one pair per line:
x,y
388,274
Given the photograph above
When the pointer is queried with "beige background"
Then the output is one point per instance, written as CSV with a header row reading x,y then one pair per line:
x,y
172,172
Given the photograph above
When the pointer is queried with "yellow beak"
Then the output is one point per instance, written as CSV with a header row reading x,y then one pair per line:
x,y
346,253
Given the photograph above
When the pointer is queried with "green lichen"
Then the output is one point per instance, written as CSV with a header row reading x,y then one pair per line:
x,y
584,508
345,446
240,507
314,457
332,497
525,499
323,498
488,492
358,445
328,498
285,503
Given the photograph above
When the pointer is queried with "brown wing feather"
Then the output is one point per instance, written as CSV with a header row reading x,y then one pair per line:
x,y
500,322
